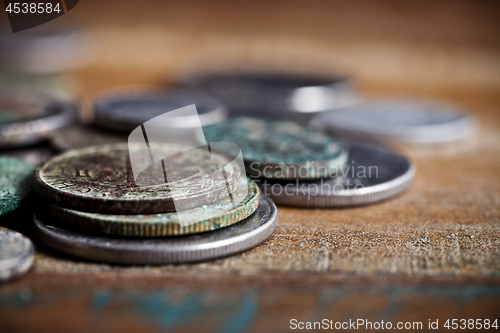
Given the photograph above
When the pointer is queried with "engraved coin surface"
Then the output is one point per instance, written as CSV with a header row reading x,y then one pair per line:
x,y
410,121
275,95
16,254
280,149
235,238
30,116
100,179
16,177
126,110
372,174
227,211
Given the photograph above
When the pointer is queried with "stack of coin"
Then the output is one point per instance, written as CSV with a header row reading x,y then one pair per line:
x,y
97,211
302,166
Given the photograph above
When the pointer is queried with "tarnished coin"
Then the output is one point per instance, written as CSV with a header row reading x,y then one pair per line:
x,y
227,212
372,174
79,136
275,95
16,177
30,116
238,237
45,49
16,254
126,110
410,121
100,179
280,149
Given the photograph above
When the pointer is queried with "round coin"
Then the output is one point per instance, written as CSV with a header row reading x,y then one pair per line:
x,y
280,149
16,254
410,121
210,245
100,179
79,136
30,116
275,95
16,177
126,110
372,174
227,211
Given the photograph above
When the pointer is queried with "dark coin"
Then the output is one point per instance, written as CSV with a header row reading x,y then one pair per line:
x,y
241,204
16,177
30,116
210,245
372,174
411,121
275,95
16,254
79,136
280,149
100,179
126,110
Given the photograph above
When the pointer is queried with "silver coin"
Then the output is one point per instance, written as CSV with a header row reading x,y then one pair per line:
x,y
124,111
274,95
45,49
30,116
210,245
410,121
16,254
372,174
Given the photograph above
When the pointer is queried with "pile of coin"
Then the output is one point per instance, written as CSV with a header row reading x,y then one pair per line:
x,y
97,211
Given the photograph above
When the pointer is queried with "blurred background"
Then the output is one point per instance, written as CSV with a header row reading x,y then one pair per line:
x,y
445,50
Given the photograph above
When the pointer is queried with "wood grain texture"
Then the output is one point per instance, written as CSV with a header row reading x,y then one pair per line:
x,y
433,252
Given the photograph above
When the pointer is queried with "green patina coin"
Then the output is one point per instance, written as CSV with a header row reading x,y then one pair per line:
x,y
100,179
281,149
232,209
16,178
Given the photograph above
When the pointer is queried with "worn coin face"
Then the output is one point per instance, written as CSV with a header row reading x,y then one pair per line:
x,y
16,254
79,136
100,179
16,177
280,149
372,174
30,116
275,95
410,121
126,110
240,205
210,245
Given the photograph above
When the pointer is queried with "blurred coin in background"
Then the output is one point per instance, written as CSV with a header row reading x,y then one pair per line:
x,y
80,136
275,95
405,120
45,49
16,178
16,254
28,116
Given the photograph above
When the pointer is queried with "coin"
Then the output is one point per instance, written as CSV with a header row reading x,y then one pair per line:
x,y
16,177
238,237
45,49
227,211
280,149
275,95
125,110
372,174
79,136
30,116
411,121
100,179
16,254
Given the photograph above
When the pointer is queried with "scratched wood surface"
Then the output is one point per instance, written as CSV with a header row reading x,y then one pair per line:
x,y
431,253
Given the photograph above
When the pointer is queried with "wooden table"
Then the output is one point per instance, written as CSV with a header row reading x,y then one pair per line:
x,y
431,254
